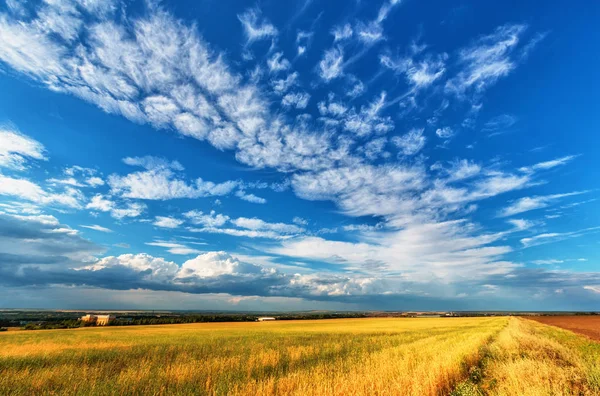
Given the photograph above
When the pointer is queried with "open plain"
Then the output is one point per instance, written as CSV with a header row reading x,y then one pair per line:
x,y
429,356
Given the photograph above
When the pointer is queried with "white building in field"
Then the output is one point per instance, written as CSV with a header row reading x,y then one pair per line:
x,y
100,320
265,319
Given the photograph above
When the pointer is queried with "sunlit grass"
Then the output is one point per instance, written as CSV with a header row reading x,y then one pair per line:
x,y
328,357
528,358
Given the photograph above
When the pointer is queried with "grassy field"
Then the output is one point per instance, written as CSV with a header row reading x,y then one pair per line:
x,y
462,356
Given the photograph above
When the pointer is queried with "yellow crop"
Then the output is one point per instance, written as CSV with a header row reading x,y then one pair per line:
x,y
327,357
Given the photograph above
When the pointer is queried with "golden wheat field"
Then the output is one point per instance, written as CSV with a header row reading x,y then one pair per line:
x,y
428,356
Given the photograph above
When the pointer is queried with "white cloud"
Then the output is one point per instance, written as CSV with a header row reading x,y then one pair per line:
x,y
594,289
28,50
175,248
29,191
247,227
167,222
361,227
489,58
419,74
551,237
298,100
153,163
375,148
331,107
444,133
548,164
278,63
132,209
255,27
261,225
70,181
61,18
369,33
241,233
462,169
332,64
282,85
411,142
101,203
299,221
153,68
499,124
547,262
16,148
94,181
527,204
163,184
303,41
521,224
211,219
423,252
342,32
241,194
96,227
214,264
366,121
386,8
159,268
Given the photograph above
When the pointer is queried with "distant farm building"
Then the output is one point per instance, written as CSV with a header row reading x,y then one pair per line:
x,y
99,320
265,319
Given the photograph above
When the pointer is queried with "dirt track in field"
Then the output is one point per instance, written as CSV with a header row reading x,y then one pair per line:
x,y
587,325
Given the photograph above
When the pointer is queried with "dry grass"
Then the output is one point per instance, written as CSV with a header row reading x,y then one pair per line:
x,y
330,357
462,356
528,358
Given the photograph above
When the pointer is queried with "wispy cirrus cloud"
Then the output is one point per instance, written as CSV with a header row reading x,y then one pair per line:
x,y
97,227
334,134
527,204
255,26
486,60
16,149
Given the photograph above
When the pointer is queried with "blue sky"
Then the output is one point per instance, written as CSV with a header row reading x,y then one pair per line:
x,y
306,155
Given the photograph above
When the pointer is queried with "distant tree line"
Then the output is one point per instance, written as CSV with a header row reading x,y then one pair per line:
x,y
44,320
